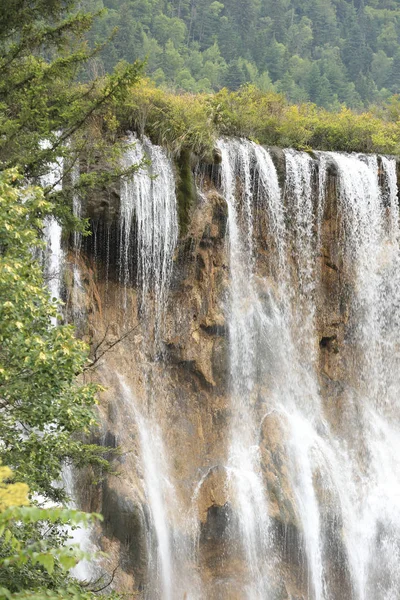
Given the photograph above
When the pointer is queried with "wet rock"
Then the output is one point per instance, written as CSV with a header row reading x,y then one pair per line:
x,y
125,522
276,468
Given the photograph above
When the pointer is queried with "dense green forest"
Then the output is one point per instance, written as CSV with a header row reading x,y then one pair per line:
x,y
328,52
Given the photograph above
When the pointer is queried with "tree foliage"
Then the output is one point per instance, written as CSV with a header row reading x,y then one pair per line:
x,y
42,94
44,410
34,563
42,405
324,51
49,110
189,122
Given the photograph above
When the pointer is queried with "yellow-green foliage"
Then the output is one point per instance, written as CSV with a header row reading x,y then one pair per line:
x,y
178,122
34,562
268,118
193,122
11,494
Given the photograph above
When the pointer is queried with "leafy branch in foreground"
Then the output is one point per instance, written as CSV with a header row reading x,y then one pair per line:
x,y
35,558
43,411
47,112
43,408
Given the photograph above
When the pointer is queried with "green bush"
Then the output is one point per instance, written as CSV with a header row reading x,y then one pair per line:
x,y
193,122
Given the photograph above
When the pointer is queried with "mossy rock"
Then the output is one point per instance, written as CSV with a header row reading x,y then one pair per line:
x,y
186,189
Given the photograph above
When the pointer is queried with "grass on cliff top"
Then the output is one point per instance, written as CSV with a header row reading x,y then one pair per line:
x,y
194,121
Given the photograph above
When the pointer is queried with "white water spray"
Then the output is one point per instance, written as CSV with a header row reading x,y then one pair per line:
x,y
148,199
168,544
54,254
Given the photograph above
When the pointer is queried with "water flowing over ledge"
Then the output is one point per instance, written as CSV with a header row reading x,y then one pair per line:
x,y
259,433
148,199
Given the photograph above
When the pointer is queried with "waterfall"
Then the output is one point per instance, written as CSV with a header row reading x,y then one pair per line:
x,y
297,398
157,490
264,326
86,569
362,212
300,209
148,200
54,255
245,319
312,478
273,350
371,245
54,266
170,574
54,258
76,205
148,238
78,311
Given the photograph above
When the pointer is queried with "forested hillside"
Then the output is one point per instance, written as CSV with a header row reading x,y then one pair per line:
x,y
324,51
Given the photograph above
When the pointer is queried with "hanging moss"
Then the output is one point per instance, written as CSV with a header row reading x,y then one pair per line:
x,y
186,189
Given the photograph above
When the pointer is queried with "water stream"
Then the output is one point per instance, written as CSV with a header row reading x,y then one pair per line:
x,y
148,203
54,257
149,234
54,266
170,571
245,318
307,451
273,355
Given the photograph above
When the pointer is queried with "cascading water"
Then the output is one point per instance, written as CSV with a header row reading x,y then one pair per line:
x,y
52,231
370,242
78,312
54,266
54,259
273,357
148,199
301,215
263,352
85,570
170,572
244,470
290,463
76,205
148,238
298,398
158,491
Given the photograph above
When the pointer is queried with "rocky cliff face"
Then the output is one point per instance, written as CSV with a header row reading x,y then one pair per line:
x,y
170,515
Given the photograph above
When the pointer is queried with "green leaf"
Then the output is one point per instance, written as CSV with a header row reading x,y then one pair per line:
x,y
67,562
47,561
7,536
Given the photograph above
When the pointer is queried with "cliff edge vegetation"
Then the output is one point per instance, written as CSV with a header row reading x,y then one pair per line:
x,y
194,121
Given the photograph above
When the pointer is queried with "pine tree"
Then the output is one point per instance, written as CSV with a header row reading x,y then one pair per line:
x,y
42,54
235,76
275,60
395,74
